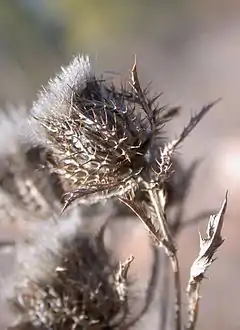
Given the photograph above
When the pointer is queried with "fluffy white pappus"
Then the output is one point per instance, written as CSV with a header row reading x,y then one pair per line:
x,y
57,95
14,130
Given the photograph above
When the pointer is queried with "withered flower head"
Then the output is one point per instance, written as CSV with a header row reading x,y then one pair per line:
x,y
103,138
108,141
81,286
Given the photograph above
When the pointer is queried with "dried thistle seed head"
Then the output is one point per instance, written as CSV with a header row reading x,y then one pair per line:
x,y
82,288
101,136
105,141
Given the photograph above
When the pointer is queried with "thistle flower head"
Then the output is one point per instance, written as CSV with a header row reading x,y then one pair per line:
x,y
82,287
107,141
102,137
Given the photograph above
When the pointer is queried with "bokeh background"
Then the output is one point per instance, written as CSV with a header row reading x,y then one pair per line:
x,y
190,50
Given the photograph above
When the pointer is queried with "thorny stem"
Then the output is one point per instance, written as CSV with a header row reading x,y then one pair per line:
x,y
170,250
167,239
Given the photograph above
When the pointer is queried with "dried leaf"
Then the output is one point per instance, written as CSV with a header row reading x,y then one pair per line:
x,y
209,245
192,124
208,248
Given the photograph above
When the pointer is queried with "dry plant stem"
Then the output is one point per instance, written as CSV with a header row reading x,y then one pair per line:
x,y
164,295
170,249
193,301
208,248
177,288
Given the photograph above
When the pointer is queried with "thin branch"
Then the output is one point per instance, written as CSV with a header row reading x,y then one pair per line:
x,y
162,238
164,297
157,205
170,250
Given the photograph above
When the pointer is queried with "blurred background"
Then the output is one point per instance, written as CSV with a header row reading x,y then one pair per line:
x,y
190,50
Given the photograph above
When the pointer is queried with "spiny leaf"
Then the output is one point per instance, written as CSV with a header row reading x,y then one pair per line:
x,y
193,123
209,245
208,248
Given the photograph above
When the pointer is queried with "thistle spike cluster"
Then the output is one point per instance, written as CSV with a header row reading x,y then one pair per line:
x,y
105,140
80,286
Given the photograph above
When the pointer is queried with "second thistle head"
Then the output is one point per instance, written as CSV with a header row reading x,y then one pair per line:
x,y
76,283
